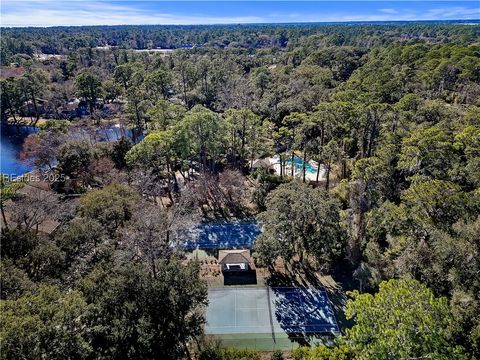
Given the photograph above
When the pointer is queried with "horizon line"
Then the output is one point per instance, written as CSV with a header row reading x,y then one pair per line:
x,y
476,21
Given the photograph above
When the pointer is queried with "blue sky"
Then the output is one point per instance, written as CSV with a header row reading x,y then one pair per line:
x,y
103,12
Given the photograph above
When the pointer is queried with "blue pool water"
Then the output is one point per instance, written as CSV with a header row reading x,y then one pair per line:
x,y
298,161
222,235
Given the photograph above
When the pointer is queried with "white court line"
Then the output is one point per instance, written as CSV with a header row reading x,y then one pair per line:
x,y
242,326
296,294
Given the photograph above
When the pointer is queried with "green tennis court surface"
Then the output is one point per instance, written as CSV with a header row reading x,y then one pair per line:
x,y
266,317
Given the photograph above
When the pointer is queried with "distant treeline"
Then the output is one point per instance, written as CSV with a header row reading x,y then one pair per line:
x,y
63,40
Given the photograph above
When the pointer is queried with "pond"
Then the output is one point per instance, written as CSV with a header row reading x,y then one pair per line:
x,y
109,133
13,137
11,142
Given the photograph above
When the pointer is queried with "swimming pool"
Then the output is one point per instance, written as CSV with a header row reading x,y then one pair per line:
x,y
298,162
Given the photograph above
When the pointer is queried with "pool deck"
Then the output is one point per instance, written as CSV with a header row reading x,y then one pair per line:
x,y
298,171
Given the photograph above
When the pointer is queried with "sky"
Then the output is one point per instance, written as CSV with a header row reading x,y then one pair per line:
x,y
104,12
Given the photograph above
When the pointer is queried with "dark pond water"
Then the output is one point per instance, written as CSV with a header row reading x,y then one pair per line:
x,y
11,141
110,133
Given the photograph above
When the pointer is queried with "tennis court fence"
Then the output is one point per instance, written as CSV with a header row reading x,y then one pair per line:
x,y
268,343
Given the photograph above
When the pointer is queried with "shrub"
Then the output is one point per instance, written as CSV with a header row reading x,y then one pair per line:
x,y
277,355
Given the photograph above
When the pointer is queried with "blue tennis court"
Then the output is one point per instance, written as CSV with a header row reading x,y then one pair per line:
x,y
304,310
269,311
222,235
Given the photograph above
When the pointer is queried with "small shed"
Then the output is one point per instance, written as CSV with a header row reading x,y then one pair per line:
x,y
234,260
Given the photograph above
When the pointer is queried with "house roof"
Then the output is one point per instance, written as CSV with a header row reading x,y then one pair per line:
x,y
47,226
35,190
11,71
233,256
261,163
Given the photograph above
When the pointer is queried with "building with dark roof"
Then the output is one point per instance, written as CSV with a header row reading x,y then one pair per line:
x,y
234,260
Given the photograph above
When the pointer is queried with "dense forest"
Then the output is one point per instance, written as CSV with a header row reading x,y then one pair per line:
x,y
389,112
63,40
